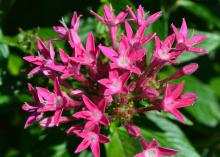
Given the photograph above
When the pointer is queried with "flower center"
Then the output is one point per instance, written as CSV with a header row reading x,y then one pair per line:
x,y
93,137
97,115
151,153
59,101
116,85
163,55
123,62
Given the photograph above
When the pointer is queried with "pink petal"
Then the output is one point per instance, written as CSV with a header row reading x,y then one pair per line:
x,y
34,59
197,50
178,115
183,29
196,40
108,13
95,148
167,152
176,93
83,145
101,19
89,104
169,40
129,30
157,42
57,87
34,71
52,52
90,44
102,105
42,48
103,139
46,108
121,17
105,82
113,74
108,52
148,38
153,18
74,39
32,118
60,30
175,30
124,77
57,115
104,121
82,114
43,92
130,11
63,56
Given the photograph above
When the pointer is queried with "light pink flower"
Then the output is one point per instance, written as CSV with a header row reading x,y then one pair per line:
x,y
173,100
185,43
125,58
153,150
45,60
95,113
115,84
140,18
91,138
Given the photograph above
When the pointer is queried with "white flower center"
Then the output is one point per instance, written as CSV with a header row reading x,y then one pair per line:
x,y
97,115
151,153
59,101
116,85
163,55
123,62
93,137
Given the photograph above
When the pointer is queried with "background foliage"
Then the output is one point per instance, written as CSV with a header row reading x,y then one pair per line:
x,y
22,20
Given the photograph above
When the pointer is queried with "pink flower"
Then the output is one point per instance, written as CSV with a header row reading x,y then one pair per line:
x,y
132,129
63,30
45,60
153,150
111,21
183,43
163,49
125,58
91,138
173,100
95,113
115,84
57,101
89,55
138,40
141,15
32,107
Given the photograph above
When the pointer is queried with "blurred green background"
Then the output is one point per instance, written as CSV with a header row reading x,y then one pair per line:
x,y
22,20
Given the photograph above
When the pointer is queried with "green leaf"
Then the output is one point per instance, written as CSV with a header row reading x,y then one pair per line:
x,y
122,144
4,99
119,6
211,43
4,50
86,26
86,153
214,84
200,11
60,150
14,64
171,137
206,109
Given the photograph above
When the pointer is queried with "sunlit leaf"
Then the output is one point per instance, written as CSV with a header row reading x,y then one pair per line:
x,y
14,64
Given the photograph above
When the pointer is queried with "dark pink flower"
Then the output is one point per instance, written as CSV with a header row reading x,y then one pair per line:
x,y
91,138
125,58
185,43
115,84
95,113
45,60
57,101
153,150
140,18
63,30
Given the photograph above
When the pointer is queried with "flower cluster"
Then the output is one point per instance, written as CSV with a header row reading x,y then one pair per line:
x,y
112,79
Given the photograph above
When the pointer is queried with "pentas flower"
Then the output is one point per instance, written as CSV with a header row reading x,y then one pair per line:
x,y
95,113
173,100
125,58
89,55
184,43
138,40
115,84
111,21
153,150
64,30
91,138
57,101
45,60
140,18
32,107
163,49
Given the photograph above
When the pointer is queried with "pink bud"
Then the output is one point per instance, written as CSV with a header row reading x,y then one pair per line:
x,y
190,68
133,130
